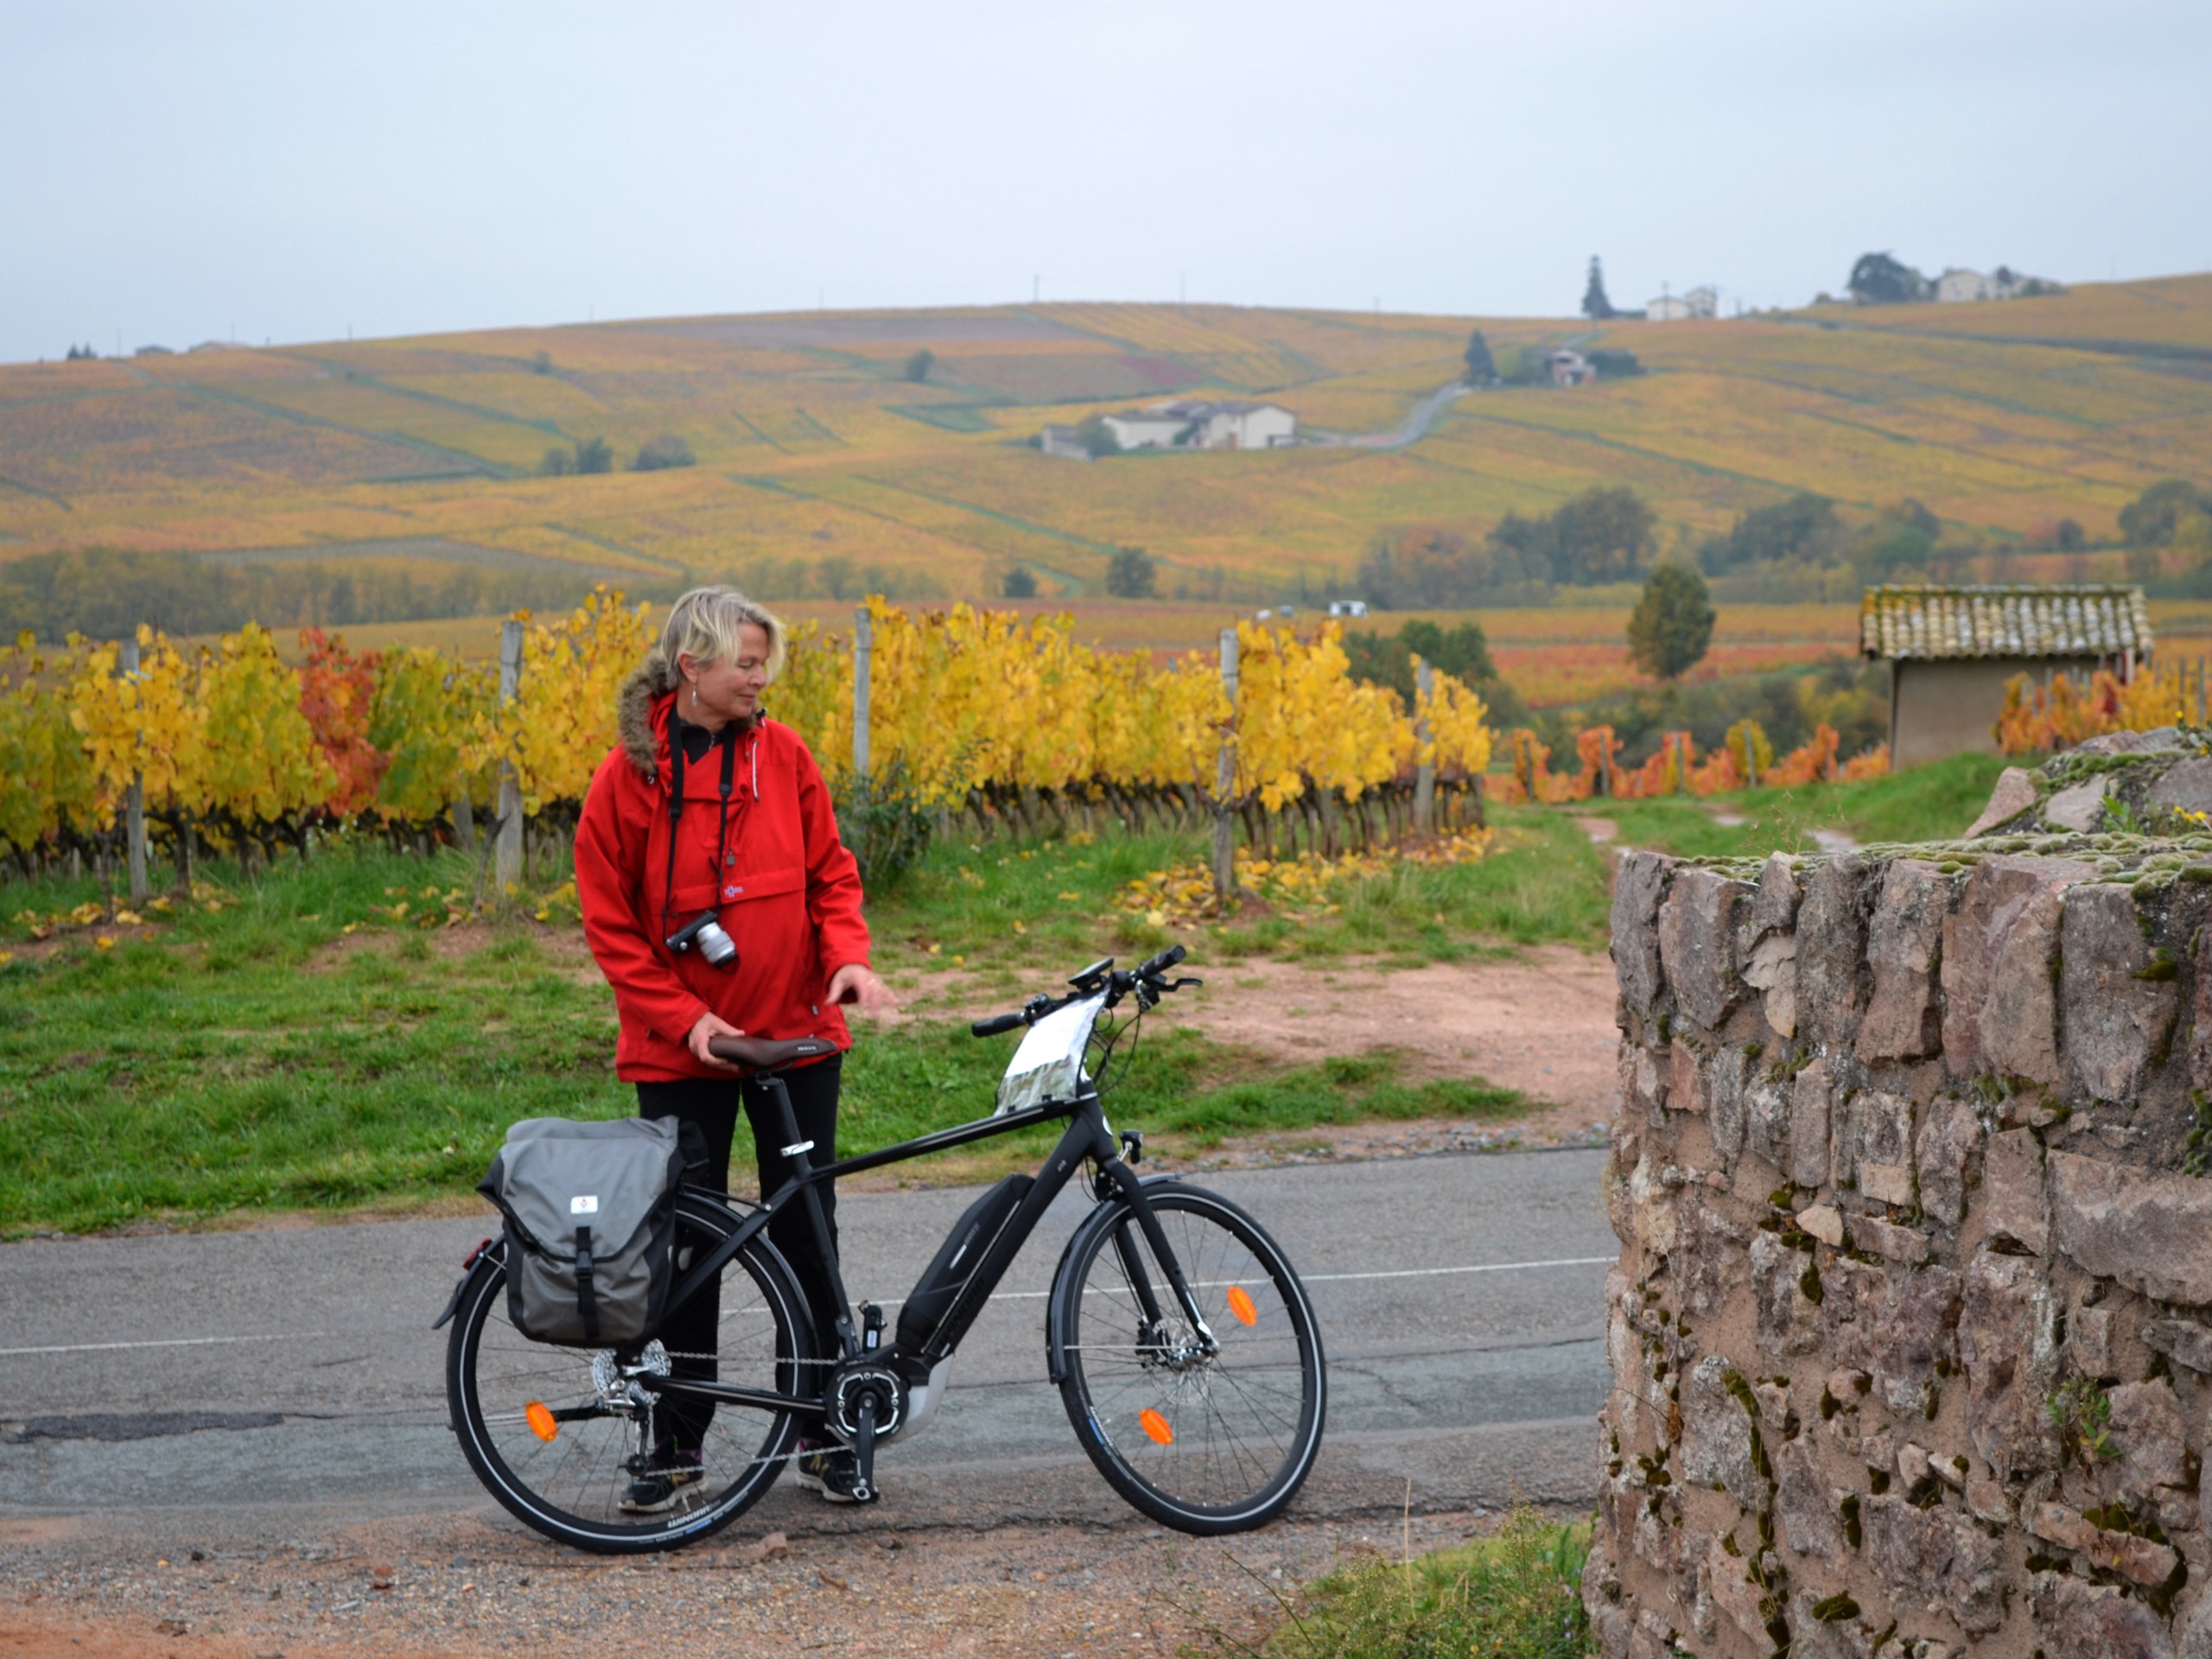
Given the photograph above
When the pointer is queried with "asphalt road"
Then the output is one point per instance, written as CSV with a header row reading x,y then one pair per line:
x,y
266,1380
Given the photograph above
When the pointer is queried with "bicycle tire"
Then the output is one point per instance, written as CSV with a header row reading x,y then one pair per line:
x,y
1225,1464
568,1487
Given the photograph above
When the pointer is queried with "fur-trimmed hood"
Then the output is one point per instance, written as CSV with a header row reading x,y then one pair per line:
x,y
652,680
649,682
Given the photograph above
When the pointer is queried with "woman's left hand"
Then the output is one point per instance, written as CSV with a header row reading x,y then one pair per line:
x,y
857,984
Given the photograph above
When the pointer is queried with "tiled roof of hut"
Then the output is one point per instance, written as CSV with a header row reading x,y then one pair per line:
x,y
1920,620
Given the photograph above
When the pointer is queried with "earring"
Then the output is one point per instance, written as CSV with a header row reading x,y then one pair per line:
x,y
695,694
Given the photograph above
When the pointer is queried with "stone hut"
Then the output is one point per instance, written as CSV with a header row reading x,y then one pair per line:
x,y
1951,650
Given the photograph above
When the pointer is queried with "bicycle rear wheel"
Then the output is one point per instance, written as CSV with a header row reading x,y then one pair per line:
x,y
1206,1443
507,1391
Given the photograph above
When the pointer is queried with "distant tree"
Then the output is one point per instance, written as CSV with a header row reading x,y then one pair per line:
x,y
1130,572
595,456
1891,550
81,353
1595,305
1880,279
1614,365
1802,530
1604,534
919,365
557,463
1019,583
658,455
1672,623
1482,368
541,363
2150,518
1096,436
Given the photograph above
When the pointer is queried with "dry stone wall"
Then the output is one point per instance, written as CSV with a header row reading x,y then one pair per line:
x,y
1911,1332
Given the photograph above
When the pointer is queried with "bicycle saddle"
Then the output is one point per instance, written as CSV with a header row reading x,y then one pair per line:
x,y
765,1054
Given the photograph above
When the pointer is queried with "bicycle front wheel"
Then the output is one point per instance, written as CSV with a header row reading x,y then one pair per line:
x,y
1206,1436
559,1437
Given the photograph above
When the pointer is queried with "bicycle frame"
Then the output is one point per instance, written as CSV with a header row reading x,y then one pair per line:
x,y
1087,1136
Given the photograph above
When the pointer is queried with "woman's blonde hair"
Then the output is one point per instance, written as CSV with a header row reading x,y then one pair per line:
x,y
704,623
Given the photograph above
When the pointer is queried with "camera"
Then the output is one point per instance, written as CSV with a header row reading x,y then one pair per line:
x,y
714,945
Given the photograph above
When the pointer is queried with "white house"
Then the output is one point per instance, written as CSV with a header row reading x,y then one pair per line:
x,y
1148,429
1200,425
1064,442
1703,301
1347,607
1958,286
1570,368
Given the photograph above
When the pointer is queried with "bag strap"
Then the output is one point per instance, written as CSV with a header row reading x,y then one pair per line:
x,y
587,1297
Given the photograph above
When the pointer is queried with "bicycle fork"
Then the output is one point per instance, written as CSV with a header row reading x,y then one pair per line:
x,y
1133,1267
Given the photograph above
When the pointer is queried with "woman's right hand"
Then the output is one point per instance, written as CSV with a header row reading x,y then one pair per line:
x,y
710,1025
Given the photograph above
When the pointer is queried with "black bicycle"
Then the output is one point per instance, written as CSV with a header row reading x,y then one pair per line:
x,y
1185,1349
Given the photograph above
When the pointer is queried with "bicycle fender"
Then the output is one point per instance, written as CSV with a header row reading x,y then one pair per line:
x,y
1063,1289
485,1258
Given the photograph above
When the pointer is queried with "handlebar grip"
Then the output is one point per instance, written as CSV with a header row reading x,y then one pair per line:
x,y
1163,962
997,1023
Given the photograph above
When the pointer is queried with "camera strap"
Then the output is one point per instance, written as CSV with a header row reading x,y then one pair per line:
x,y
727,739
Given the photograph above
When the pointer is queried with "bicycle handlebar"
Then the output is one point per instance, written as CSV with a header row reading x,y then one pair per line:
x,y
1145,980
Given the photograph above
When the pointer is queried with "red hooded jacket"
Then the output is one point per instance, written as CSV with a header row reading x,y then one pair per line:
x,y
783,884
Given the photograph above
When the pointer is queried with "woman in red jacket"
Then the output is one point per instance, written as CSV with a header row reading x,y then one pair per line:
x,y
754,845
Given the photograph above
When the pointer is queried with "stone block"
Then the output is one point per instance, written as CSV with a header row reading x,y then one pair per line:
x,y
2185,786
2000,1012
1936,1560
1824,1221
2015,793
1644,1080
1773,1399
2015,1202
1707,1262
1772,972
1880,1157
1832,1638
1727,1074
2089,1341
1789,1321
1809,1126
2008,1340
2080,808
1697,944
2146,1426
1716,1444
2138,1559
1766,1118
1913,1335
2200,1017
2094,1621
2114,1018
2183,1341
1831,943
2149,1229
1726,1580
1887,1239
1808,1522
1904,947
1685,1082
1638,885
1988,1501
1942,1152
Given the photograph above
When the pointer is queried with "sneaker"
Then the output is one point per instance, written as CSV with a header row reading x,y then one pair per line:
x,y
662,1485
831,1471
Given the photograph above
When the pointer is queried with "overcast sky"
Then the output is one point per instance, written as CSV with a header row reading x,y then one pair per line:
x,y
176,172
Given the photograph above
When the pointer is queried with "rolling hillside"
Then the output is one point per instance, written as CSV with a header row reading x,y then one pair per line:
x,y
823,469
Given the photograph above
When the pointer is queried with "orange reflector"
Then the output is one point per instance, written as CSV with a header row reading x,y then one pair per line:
x,y
1156,1425
541,1421
1241,1306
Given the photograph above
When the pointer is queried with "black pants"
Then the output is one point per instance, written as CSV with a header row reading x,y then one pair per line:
x,y
712,1103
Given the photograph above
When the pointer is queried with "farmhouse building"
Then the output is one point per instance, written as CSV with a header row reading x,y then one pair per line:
x,y
1951,650
1570,368
1193,424
1701,302
1065,442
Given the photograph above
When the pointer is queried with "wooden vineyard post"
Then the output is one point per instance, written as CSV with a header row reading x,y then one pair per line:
x,y
508,863
863,652
1425,774
1224,781
134,812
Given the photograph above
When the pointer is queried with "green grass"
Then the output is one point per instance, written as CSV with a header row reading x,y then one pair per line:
x,y
1930,803
1514,1595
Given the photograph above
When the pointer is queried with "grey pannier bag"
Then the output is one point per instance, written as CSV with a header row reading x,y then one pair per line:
x,y
591,1217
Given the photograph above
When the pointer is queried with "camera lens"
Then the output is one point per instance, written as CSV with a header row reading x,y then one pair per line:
x,y
716,945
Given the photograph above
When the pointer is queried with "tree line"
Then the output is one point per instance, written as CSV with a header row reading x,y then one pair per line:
x,y
588,455
1604,534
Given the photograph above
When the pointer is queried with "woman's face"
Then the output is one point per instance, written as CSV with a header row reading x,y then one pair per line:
x,y
726,688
